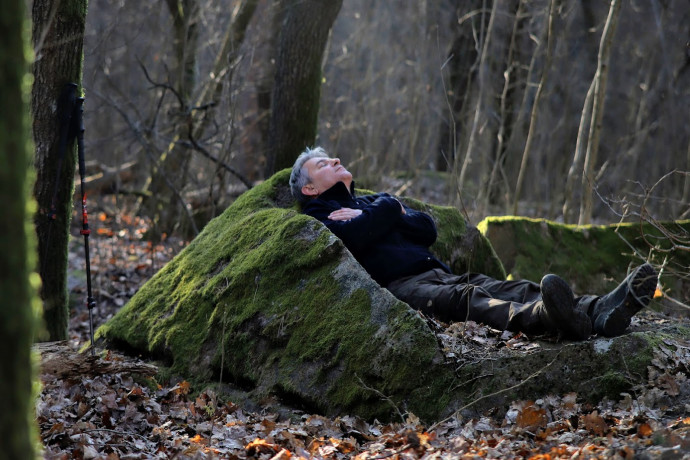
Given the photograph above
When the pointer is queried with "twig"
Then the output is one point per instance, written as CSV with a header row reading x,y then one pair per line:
x,y
195,145
382,396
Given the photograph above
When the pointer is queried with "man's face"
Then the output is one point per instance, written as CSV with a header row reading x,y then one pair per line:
x,y
324,174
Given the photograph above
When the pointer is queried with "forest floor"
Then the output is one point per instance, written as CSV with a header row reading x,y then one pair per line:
x,y
118,415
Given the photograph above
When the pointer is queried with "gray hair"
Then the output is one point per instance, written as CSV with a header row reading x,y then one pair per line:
x,y
299,176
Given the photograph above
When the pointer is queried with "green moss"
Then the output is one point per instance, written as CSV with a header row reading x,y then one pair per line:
x,y
594,258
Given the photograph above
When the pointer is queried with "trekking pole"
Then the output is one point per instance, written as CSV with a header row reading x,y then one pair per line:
x,y
79,126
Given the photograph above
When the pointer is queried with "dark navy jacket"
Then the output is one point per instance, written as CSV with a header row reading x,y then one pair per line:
x,y
388,244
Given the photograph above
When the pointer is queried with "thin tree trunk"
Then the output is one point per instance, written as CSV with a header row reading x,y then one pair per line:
x,y
479,108
505,118
58,40
17,251
535,107
686,182
304,33
164,200
573,172
600,78
225,60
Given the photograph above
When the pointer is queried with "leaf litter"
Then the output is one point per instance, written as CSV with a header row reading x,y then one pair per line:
x,y
126,416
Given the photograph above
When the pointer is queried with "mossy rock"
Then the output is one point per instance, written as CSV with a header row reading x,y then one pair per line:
x,y
272,300
593,258
594,369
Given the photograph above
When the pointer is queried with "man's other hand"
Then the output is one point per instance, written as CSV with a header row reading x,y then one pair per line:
x,y
345,214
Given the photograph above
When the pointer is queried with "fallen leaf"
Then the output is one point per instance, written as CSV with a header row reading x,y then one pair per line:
x,y
531,417
595,424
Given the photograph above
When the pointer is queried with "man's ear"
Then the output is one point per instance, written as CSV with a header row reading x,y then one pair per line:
x,y
310,190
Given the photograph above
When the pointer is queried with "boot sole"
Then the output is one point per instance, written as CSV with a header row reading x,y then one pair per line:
x,y
560,305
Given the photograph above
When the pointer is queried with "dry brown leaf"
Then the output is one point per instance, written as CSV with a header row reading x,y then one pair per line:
x,y
532,417
595,424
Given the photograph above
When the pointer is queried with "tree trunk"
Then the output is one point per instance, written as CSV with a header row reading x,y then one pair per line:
x,y
58,40
480,109
600,78
461,62
550,39
164,200
297,88
16,245
573,172
490,193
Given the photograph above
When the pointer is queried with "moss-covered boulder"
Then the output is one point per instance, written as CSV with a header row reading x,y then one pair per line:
x,y
270,299
593,258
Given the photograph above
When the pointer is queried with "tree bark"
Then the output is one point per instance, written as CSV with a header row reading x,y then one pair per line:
x,y
600,78
16,245
58,40
480,109
535,105
169,177
304,33
573,172
164,190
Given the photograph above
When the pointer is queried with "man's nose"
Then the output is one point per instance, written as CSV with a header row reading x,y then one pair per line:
x,y
336,161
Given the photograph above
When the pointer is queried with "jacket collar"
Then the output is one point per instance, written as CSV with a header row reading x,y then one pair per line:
x,y
339,192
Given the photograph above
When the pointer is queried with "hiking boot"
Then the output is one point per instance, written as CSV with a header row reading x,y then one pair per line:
x,y
613,312
559,303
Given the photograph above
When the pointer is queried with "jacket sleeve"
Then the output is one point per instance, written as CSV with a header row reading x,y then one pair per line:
x,y
418,226
377,219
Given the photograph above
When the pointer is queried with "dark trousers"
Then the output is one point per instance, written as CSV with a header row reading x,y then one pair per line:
x,y
504,305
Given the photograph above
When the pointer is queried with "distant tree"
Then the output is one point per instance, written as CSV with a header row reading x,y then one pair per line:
x,y
58,41
535,105
195,100
304,31
169,176
600,80
16,252
461,65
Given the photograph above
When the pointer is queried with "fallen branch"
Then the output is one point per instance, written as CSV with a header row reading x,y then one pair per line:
x,y
59,360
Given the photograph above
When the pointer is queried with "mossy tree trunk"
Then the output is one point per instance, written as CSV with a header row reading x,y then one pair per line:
x,y
305,27
58,40
16,261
